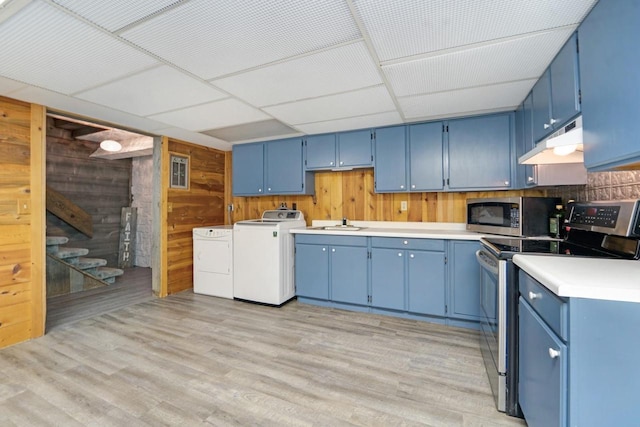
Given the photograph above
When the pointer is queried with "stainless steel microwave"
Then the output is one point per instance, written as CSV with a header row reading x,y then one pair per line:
x,y
511,216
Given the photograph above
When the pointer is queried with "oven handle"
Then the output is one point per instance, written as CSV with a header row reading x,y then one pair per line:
x,y
487,261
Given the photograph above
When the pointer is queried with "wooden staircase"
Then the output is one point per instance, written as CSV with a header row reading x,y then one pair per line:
x,y
68,270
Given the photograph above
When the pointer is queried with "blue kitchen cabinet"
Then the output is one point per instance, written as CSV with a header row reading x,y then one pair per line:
x,y
320,152
269,168
464,280
528,143
248,169
556,97
408,275
425,157
312,270
284,168
426,282
345,150
610,82
388,278
479,152
390,170
349,274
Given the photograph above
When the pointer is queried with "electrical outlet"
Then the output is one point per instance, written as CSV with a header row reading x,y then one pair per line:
x,y
230,207
403,205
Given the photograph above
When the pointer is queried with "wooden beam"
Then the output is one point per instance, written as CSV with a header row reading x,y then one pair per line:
x,y
69,212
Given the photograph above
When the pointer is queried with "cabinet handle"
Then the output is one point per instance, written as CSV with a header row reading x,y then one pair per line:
x,y
341,163
259,190
413,186
533,295
330,163
411,256
529,179
399,253
553,353
406,242
269,189
402,187
333,249
547,125
506,183
324,249
553,121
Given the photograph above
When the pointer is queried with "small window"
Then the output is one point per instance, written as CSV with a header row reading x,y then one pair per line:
x,y
179,172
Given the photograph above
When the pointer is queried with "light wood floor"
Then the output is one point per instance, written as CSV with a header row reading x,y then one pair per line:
x,y
197,360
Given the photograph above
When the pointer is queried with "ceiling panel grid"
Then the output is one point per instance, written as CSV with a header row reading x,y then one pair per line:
x,y
327,72
212,39
45,47
361,122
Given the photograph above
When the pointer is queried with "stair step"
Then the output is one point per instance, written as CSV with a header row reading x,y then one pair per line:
x,y
70,254
87,263
56,240
108,274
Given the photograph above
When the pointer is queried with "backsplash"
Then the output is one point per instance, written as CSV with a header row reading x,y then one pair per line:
x,y
616,185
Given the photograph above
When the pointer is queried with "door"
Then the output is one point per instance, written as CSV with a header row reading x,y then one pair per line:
x,y
354,148
349,274
312,271
320,151
425,157
284,166
390,160
248,169
388,278
426,282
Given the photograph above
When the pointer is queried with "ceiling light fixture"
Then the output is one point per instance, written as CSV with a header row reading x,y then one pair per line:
x,y
110,145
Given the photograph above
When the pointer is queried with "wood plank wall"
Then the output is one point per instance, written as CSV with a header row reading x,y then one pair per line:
x,y
351,194
101,187
202,204
21,222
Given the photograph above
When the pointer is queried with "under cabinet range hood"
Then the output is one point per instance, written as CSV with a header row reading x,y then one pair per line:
x,y
562,146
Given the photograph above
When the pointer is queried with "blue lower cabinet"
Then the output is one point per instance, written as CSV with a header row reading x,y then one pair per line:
x,y
426,282
388,278
349,266
312,271
464,280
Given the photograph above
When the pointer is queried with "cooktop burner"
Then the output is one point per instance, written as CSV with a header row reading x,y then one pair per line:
x,y
508,247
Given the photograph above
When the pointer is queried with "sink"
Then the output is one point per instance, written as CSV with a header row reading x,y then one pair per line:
x,y
341,227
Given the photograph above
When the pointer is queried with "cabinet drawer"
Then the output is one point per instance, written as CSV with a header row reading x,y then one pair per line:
x,y
315,239
403,243
552,309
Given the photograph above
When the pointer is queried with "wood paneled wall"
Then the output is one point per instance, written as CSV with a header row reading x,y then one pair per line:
x,y
203,204
351,194
21,221
101,187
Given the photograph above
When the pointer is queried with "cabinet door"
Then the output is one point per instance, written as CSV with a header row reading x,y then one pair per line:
x,y
480,152
542,374
541,111
425,157
390,160
609,80
312,271
464,280
349,274
564,84
354,149
426,282
284,166
248,169
530,177
388,278
320,152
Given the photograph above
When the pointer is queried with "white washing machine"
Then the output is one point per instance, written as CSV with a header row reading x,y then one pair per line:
x,y
263,257
213,261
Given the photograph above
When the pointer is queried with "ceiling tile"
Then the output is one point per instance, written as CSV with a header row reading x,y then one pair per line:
x,y
516,59
195,137
373,120
328,72
214,38
213,115
404,28
153,91
252,131
465,101
351,104
115,14
74,54
67,104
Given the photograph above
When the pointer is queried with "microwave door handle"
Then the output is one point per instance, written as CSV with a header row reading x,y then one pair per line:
x,y
483,259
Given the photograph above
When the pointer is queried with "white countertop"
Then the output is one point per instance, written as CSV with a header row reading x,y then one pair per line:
x,y
576,277
419,230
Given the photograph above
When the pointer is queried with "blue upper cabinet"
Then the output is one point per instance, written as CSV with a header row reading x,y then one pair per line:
x,y
320,152
610,81
390,169
479,152
248,169
270,168
345,150
425,154
556,96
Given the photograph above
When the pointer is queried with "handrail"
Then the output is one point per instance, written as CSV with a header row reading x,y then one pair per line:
x,y
65,209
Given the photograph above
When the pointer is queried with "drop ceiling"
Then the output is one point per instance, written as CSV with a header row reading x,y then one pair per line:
x,y
222,72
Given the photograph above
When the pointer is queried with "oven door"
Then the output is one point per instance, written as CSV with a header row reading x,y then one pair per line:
x,y
493,322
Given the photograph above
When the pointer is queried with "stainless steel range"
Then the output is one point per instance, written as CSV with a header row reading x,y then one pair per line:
x,y
595,229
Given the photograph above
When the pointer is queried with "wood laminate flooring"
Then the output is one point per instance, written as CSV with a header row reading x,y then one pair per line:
x,y
195,360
